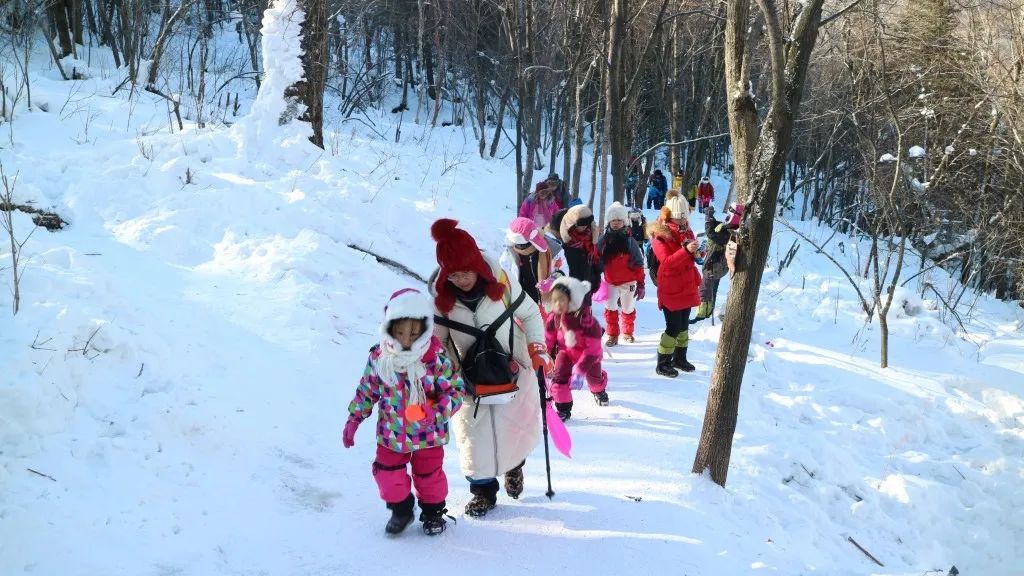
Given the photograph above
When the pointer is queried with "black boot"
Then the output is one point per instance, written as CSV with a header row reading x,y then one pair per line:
x,y
665,366
432,517
564,410
679,360
485,498
514,482
401,515
601,398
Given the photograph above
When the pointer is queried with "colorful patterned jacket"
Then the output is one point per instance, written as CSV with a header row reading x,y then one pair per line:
x,y
443,386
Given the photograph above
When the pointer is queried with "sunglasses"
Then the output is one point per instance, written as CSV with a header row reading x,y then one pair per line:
x,y
523,246
585,222
456,276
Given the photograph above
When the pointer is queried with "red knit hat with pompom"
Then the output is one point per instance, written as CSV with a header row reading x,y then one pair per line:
x,y
458,252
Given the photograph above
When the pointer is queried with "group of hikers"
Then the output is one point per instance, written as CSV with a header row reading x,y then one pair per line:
x,y
699,195
488,331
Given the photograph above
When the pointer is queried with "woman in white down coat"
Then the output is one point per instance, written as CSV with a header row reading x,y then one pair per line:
x,y
494,439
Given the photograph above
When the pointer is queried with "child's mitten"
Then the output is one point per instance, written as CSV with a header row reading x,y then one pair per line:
x,y
348,436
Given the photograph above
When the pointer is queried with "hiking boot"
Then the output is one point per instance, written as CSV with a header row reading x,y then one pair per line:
x,y
612,341
485,498
601,398
664,367
401,516
479,505
564,410
514,482
432,517
628,338
679,361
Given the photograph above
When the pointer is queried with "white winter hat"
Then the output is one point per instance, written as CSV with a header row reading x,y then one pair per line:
x,y
578,290
615,212
391,359
680,208
409,303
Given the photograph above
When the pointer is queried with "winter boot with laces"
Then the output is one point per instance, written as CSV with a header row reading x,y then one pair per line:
x,y
679,360
432,517
485,498
401,516
612,341
514,482
564,410
664,367
601,398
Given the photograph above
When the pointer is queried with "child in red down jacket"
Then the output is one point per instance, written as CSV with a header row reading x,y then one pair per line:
x,y
675,247
572,328
416,392
623,272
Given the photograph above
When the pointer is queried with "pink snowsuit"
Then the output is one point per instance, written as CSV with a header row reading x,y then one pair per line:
x,y
401,441
577,336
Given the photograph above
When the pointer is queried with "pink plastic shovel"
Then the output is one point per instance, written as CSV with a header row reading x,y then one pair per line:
x,y
559,433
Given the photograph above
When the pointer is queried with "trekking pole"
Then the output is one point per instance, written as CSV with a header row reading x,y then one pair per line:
x,y
542,385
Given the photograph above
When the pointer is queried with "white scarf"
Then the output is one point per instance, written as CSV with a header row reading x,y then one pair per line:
x,y
394,361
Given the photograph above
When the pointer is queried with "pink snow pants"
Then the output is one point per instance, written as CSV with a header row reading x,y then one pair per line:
x,y
561,391
389,470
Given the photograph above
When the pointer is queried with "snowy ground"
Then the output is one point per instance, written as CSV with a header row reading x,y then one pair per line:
x,y
184,354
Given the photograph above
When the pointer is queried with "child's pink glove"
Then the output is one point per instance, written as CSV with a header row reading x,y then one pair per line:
x,y
348,436
545,285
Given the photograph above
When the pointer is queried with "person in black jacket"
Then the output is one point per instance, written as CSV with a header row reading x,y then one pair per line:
x,y
578,245
715,267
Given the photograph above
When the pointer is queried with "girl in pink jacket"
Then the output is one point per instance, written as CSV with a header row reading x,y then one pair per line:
x,y
541,205
416,392
572,329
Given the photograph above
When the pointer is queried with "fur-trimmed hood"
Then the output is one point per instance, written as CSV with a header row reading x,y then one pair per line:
x,y
578,290
572,216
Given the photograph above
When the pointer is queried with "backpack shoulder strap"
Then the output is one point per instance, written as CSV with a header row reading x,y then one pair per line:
x,y
458,326
492,328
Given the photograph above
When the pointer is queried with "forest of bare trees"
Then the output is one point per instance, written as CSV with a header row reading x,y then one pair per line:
x,y
899,121
622,77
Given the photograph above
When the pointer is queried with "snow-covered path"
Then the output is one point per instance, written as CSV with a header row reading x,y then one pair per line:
x,y
199,434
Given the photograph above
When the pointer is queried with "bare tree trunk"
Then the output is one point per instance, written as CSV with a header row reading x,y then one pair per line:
x,y
759,160
58,12
499,122
614,98
578,130
310,89
166,26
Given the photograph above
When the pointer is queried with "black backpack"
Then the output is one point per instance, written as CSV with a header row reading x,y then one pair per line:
x,y
487,369
652,262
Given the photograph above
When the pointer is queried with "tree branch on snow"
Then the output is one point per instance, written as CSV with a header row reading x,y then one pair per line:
x,y
393,264
861,548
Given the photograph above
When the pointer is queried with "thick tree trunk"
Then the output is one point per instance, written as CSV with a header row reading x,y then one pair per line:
x,y
58,10
310,90
758,163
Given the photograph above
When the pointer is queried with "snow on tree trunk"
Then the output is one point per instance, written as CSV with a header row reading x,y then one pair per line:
x,y
274,122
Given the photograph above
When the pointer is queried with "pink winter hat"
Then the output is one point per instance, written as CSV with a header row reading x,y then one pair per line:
x,y
523,230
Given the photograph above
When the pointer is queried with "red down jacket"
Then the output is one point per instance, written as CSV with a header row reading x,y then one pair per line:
x,y
678,277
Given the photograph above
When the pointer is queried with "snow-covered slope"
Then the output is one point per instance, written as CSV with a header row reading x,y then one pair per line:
x,y
174,386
